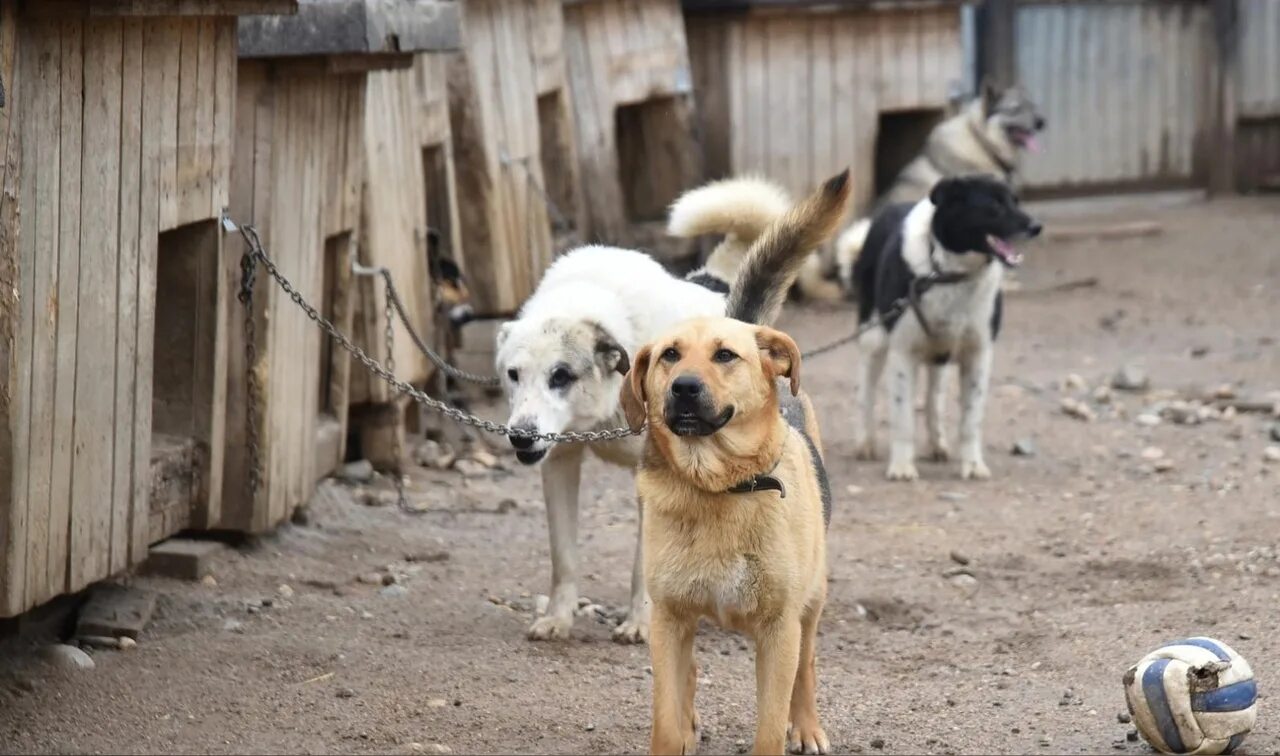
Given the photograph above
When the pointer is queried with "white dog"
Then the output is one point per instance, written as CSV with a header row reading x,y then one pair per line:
x,y
563,358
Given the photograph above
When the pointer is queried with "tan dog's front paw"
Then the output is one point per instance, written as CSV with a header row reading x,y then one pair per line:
x,y
901,470
632,631
974,470
550,627
808,738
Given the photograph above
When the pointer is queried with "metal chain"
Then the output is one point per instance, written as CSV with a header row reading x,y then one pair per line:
x,y
255,255
253,391
896,309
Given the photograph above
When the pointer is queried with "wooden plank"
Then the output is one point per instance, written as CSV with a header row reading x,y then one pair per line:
x,y
46,117
164,39
107,8
189,163
91,512
126,305
12,252
224,99
821,105
155,106
68,305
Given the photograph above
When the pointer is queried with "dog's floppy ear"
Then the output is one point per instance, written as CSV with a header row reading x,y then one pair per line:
x,y
614,356
632,394
781,354
938,194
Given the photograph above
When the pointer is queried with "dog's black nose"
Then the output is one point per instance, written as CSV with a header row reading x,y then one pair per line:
x,y
686,387
1035,229
1039,123
520,442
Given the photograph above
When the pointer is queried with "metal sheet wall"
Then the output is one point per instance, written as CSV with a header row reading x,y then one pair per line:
x,y
1122,85
1259,94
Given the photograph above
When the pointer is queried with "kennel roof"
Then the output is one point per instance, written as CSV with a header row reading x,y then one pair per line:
x,y
742,6
353,27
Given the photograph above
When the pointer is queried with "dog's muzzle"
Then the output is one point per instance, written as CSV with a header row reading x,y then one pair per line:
x,y
526,448
689,410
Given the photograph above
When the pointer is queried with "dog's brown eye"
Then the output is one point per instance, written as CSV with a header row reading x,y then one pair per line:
x,y
561,377
670,354
514,375
724,355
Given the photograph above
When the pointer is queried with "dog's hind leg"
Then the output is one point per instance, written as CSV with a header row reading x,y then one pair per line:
x,y
635,628
902,415
777,661
561,475
806,734
870,357
933,413
674,675
975,373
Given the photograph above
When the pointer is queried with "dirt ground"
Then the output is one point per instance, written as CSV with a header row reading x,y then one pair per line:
x,y
1082,557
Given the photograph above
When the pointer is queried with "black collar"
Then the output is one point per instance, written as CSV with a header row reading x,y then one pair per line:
x,y
763,482
990,149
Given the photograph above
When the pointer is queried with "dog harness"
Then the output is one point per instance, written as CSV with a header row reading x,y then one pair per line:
x,y
920,284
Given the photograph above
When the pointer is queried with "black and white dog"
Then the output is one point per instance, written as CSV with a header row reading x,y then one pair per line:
x,y
950,249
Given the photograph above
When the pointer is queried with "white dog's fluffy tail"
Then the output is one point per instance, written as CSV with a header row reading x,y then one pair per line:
x,y
743,207
848,247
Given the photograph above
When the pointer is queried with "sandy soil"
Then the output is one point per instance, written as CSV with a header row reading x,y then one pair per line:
x,y
1082,558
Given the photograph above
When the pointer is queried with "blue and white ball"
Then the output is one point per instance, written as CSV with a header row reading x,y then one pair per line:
x,y
1193,696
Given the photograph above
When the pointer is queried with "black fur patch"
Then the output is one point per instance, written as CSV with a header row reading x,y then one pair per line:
x,y
997,315
880,275
793,412
708,281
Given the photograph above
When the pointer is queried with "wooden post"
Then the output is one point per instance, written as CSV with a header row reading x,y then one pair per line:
x,y
997,42
1220,151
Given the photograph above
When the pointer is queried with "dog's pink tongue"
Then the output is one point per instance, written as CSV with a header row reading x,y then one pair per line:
x,y
1031,144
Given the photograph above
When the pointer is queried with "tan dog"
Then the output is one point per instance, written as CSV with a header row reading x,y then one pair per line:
x,y
736,503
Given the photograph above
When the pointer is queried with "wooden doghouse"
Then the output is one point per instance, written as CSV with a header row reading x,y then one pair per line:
x,y
115,133
409,195
633,101
309,106
518,193
798,89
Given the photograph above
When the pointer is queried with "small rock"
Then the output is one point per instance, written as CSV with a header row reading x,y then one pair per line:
x,y
1131,736
345,693
369,578
1046,740
233,626
434,455
429,557
877,743
967,584
1275,432
1074,382
1130,378
437,703
1152,453
1148,419
1225,391
209,581
1102,394
64,656
25,684
1164,464
388,578
590,728
366,615
1124,717
1199,351
1271,454
1244,636
126,643
484,457
470,468
853,490
437,748
952,496
356,473
393,591
1077,409
959,558
285,590
507,505
1023,447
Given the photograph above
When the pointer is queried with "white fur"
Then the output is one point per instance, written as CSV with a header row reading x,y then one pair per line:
x,y
631,298
742,206
959,316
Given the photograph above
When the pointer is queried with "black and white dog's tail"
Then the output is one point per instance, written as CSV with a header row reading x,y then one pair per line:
x,y
774,260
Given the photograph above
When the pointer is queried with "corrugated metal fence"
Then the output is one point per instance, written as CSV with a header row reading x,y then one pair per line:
x,y
1258,104
1123,86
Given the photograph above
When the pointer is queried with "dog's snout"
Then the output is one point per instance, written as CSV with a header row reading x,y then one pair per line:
x,y
1040,124
520,442
1034,229
686,387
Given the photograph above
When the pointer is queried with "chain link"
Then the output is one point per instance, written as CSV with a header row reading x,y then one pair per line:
x,y
397,469
255,255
